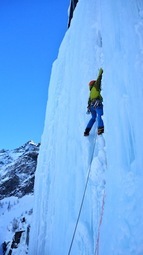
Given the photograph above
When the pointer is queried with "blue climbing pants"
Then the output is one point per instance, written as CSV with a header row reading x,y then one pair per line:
x,y
96,114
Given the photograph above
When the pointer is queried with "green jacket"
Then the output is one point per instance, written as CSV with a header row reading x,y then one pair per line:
x,y
95,89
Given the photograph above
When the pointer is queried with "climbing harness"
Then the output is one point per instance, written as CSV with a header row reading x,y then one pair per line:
x,y
89,170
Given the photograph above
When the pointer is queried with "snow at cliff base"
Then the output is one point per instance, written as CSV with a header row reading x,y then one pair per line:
x,y
89,190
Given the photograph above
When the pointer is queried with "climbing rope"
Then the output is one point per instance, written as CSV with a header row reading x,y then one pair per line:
x,y
100,222
77,221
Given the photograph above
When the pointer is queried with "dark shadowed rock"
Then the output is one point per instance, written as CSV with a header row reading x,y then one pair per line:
x,y
17,170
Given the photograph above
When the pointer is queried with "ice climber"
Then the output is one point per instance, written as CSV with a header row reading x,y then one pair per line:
x,y
95,105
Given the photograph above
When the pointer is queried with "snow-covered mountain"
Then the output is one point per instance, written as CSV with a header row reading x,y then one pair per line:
x,y
17,172
17,169
88,191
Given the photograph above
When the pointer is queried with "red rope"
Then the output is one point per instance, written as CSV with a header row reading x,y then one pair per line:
x,y
100,223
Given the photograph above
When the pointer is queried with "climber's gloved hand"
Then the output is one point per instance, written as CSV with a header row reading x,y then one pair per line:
x,y
100,71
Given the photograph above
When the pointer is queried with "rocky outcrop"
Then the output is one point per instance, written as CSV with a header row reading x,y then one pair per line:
x,y
9,246
72,7
17,170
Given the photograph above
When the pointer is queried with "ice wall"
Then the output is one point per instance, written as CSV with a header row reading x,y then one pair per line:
x,y
122,33
107,34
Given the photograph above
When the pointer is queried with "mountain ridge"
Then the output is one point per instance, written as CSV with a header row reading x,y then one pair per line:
x,y
17,168
17,174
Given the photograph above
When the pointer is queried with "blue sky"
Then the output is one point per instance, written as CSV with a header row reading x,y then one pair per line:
x,y
30,35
